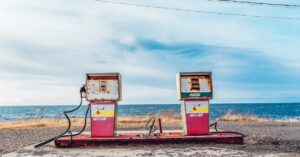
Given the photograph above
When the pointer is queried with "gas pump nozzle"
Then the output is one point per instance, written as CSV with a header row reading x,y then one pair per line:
x,y
82,92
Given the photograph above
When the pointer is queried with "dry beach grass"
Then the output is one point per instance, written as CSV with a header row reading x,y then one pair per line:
x,y
229,116
169,120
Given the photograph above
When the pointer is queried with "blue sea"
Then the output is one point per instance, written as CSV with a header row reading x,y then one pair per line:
x,y
277,111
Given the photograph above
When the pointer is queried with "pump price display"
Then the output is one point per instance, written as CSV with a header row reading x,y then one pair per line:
x,y
103,87
195,87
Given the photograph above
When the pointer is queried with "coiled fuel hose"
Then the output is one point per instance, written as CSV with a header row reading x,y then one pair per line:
x,y
82,91
70,133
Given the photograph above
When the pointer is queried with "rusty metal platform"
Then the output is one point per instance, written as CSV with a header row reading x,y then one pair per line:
x,y
84,140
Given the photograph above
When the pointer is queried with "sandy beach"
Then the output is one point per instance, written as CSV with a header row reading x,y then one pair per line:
x,y
263,138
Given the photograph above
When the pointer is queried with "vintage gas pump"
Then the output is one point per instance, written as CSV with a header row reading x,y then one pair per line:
x,y
194,89
103,91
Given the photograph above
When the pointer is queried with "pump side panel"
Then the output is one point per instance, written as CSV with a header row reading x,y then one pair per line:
x,y
103,120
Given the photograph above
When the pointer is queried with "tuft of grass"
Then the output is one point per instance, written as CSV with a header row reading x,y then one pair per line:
x,y
229,116
168,119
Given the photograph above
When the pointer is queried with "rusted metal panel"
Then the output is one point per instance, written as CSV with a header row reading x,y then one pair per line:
x,y
103,87
138,138
194,85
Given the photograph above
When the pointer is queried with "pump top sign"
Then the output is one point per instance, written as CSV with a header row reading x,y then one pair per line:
x,y
194,85
103,87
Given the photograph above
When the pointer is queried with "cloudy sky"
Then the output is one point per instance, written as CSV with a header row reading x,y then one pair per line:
x,y
47,46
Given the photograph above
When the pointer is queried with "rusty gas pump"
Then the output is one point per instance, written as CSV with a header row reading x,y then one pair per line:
x,y
194,90
103,91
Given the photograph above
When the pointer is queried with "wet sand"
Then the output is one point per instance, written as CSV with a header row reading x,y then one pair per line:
x,y
266,138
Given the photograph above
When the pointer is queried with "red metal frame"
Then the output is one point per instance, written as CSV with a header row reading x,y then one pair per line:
x,y
143,138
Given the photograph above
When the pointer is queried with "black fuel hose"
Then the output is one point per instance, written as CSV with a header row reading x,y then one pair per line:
x,y
214,124
70,133
220,132
82,90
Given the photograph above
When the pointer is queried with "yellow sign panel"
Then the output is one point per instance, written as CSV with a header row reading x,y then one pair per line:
x,y
197,106
198,109
107,110
102,113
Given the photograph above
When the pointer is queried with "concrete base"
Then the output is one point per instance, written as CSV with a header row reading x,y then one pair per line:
x,y
133,137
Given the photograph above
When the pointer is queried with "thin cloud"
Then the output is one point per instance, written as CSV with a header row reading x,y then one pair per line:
x,y
46,48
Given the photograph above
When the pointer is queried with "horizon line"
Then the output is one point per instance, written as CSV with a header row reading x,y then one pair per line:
x,y
235,103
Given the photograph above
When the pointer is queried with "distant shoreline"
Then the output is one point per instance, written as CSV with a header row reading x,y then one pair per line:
x,y
129,104
169,119
280,112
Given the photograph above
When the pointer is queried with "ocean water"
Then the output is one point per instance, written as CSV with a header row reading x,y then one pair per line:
x,y
277,111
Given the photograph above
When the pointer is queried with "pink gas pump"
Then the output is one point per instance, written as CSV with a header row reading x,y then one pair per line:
x,y
103,91
194,89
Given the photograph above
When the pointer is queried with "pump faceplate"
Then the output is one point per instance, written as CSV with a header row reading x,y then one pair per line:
x,y
103,87
194,85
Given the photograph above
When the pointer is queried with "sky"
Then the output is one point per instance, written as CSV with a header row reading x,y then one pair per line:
x,y
47,47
